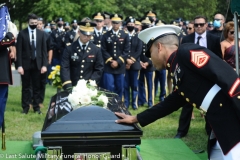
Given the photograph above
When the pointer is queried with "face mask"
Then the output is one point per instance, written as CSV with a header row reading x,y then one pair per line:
x,y
136,29
33,26
47,30
130,28
74,27
60,24
145,27
216,24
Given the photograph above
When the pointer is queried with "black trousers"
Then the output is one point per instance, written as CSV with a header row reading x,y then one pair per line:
x,y
31,81
43,83
185,120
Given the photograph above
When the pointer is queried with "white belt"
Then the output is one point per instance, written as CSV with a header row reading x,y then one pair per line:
x,y
209,97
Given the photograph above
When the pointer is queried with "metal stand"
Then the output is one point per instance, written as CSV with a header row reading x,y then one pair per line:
x,y
236,41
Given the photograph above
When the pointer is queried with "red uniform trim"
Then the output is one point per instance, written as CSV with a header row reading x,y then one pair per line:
x,y
234,87
199,58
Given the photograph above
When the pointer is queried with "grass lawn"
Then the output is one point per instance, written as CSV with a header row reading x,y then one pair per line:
x,y
22,127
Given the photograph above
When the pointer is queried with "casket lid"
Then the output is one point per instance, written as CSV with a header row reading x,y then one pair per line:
x,y
90,122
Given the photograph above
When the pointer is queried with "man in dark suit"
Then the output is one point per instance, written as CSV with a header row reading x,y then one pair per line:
x,y
82,59
202,38
198,81
115,49
32,62
132,65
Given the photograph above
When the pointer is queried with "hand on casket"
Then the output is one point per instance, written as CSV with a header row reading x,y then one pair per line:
x,y
126,118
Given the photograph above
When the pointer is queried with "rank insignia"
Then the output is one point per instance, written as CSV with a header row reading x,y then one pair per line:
x,y
199,58
91,56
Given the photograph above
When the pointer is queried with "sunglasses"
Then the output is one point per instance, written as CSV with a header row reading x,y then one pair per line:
x,y
114,22
231,32
199,24
98,21
189,28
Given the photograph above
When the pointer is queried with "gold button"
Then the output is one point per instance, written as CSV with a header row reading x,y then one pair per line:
x,y
179,79
194,105
220,104
168,65
81,71
80,76
114,50
182,93
187,99
115,55
238,97
176,87
114,46
144,50
115,42
171,74
83,60
82,66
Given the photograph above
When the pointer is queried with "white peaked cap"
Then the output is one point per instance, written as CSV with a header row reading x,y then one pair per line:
x,y
150,35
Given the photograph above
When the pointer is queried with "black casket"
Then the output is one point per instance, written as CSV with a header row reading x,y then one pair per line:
x,y
88,132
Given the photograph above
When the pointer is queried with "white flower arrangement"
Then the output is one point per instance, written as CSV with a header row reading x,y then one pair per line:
x,y
84,94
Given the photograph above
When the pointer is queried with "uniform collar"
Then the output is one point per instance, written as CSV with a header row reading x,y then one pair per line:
x,y
82,44
170,61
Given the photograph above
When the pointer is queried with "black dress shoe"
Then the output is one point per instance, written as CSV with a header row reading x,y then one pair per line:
x,y
179,135
24,112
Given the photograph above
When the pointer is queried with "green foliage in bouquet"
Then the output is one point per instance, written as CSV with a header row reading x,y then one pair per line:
x,y
55,77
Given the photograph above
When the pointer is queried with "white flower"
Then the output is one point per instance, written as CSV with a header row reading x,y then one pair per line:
x,y
53,68
82,83
104,99
73,99
92,93
92,83
85,100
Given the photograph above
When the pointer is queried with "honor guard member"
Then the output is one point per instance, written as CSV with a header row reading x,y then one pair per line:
x,y
138,26
66,27
69,37
152,15
99,29
5,70
115,49
53,26
160,77
180,24
107,21
198,81
147,72
58,38
82,59
182,33
132,65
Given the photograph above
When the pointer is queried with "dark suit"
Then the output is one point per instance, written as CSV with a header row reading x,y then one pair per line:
x,y
213,44
114,47
132,74
77,64
192,81
32,68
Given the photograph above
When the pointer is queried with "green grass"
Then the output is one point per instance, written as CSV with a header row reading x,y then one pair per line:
x,y
22,127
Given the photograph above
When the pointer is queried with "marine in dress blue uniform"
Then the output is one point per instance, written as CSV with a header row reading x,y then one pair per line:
x,y
197,81
115,49
5,71
69,37
82,59
133,65
146,95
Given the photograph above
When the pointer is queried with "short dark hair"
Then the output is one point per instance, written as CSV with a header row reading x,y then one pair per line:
x,y
203,17
32,16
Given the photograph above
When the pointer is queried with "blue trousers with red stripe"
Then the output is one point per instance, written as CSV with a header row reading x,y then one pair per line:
x,y
3,101
131,81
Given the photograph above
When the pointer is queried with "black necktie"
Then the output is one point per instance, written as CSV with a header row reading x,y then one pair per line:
x,y
83,47
33,47
198,38
99,34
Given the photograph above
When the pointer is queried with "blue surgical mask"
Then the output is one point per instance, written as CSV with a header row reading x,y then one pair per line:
x,y
216,24
47,30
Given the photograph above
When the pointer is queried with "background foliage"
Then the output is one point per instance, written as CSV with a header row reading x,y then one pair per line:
x,y
77,9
